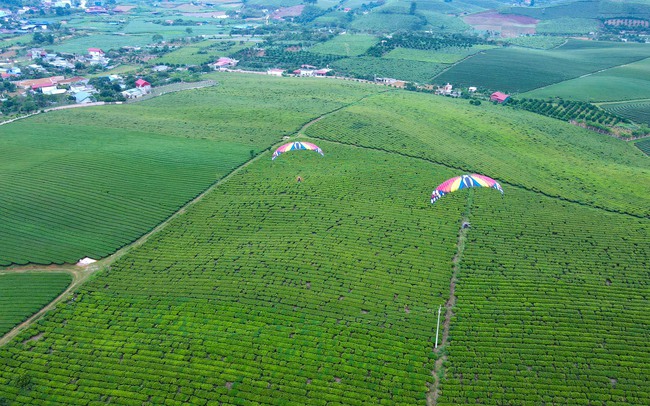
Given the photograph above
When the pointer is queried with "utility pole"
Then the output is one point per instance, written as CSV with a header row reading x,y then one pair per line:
x,y
438,328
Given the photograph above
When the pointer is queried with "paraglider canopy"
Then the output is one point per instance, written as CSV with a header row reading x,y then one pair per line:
x,y
296,146
462,182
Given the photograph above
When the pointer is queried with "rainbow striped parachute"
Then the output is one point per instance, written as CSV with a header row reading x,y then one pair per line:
x,y
462,182
292,146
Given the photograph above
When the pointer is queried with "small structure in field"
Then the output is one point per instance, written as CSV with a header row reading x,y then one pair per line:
x,y
499,97
275,72
86,261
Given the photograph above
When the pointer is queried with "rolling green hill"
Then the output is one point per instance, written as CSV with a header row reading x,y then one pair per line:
x,y
324,291
86,182
521,70
627,82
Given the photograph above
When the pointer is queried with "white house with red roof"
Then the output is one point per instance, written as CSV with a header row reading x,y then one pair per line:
x,y
224,63
143,85
322,72
95,52
304,72
96,56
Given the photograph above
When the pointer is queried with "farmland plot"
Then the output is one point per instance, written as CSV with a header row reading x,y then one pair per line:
x,y
644,146
535,152
627,82
446,55
106,42
85,182
386,22
521,70
551,306
266,291
639,112
345,45
23,294
365,67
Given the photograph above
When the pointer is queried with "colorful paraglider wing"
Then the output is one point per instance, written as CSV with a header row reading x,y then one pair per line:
x,y
462,182
295,146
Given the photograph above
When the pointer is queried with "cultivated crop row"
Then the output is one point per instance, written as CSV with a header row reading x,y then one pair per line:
x,y
86,182
644,146
23,294
568,110
639,112
551,307
520,70
541,154
267,291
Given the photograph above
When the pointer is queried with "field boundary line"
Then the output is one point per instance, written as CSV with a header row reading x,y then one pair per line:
x,y
587,75
620,102
520,186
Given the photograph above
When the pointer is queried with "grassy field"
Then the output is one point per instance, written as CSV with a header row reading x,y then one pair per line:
x,y
345,45
538,41
23,294
106,42
521,70
447,55
543,154
578,9
386,22
627,82
441,22
368,68
14,40
187,55
324,291
567,26
112,173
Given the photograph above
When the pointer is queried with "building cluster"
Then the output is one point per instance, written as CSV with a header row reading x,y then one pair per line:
x,y
77,87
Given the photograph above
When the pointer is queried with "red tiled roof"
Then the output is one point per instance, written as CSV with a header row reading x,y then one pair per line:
x,y
498,96
72,80
142,83
38,83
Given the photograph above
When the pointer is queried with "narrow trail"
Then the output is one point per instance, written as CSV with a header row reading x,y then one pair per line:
x,y
82,273
438,371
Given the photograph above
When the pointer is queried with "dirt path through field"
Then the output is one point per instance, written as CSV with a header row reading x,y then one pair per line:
x,y
438,371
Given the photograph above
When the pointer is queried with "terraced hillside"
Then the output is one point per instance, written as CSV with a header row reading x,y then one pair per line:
x,y
324,291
